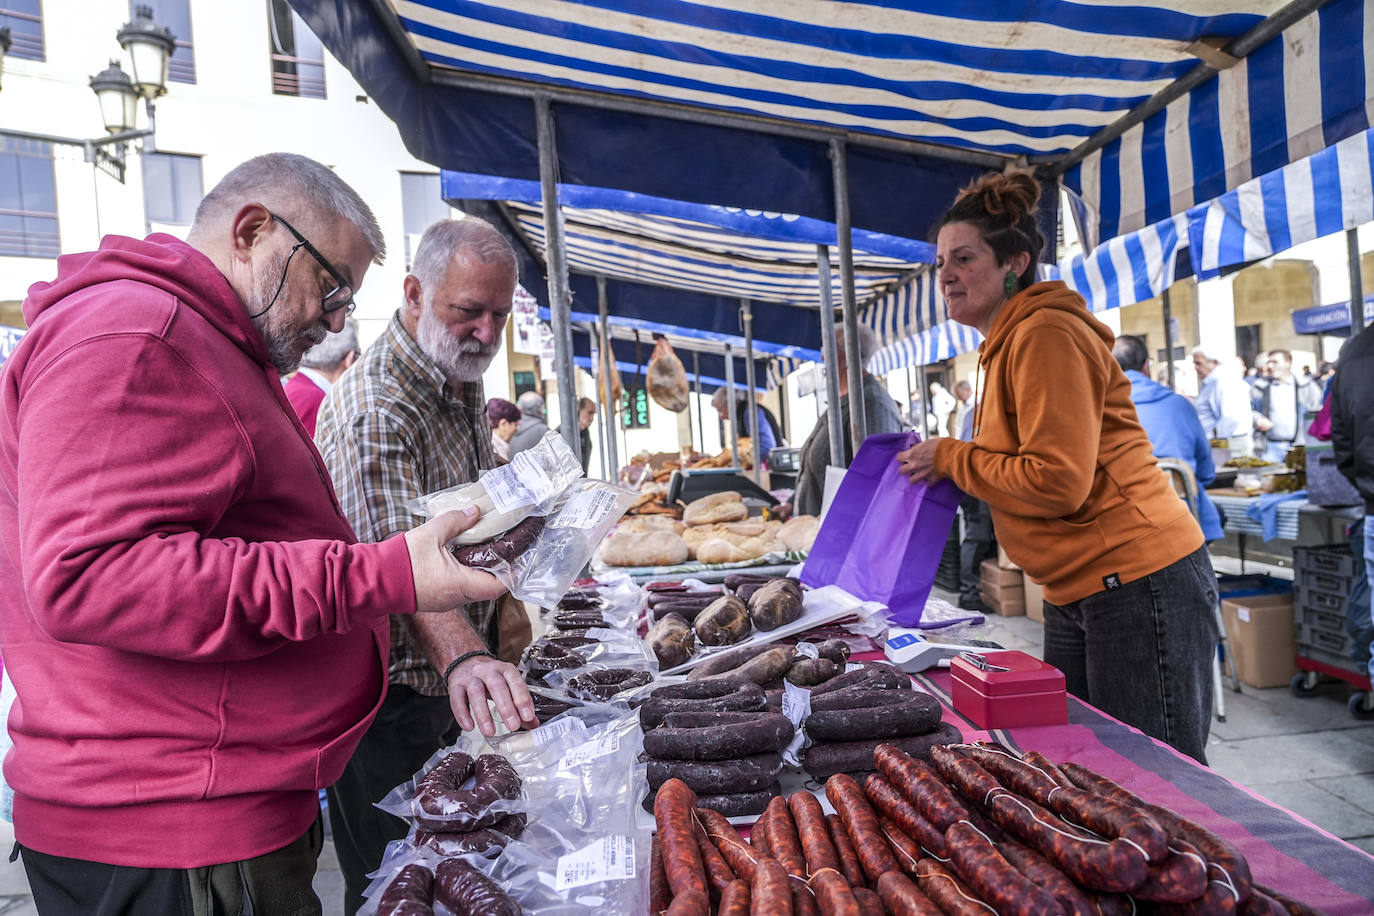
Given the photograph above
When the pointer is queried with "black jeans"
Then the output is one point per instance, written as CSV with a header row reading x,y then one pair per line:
x,y
275,884
1143,652
408,729
978,545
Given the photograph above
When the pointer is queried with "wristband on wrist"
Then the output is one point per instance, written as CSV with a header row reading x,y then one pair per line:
x,y
482,653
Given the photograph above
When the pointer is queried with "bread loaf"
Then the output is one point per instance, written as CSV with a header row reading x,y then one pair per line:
x,y
718,507
652,548
720,550
799,533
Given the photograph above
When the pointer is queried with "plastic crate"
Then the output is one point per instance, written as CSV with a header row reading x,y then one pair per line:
x,y
1333,659
1326,559
1309,637
1316,598
1230,585
1327,486
1321,619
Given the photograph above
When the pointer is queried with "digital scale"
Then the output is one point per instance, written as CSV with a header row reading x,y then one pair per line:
x,y
914,650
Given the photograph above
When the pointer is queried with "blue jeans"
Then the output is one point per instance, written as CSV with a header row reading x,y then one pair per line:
x,y
1143,652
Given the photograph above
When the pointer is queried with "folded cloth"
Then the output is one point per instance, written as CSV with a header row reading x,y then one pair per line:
x,y
1265,510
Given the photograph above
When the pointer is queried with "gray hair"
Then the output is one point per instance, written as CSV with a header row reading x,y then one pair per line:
x,y
443,240
1205,354
530,402
291,182
1130,353
328,353
868,341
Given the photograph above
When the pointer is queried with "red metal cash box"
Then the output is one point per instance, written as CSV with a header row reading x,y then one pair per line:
x,y
1008,689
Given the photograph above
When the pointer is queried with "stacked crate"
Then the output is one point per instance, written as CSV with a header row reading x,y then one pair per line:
x,y
1323,577
947,574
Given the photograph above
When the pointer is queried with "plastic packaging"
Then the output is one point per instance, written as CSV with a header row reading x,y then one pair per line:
x,y
403,802
529,485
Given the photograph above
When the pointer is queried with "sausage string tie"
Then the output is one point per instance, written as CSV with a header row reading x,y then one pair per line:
x,y
818,871
1081,839
894,845
960,891
976,830
1228,883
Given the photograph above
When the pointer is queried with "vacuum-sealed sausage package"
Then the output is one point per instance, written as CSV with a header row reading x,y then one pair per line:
x,y
461,789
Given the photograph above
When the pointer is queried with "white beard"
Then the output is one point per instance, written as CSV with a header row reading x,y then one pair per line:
x,y
459,360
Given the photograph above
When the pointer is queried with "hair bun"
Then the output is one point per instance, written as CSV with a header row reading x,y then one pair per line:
x,y
1012,195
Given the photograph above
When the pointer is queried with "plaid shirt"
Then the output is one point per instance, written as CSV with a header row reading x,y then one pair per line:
x,y
392,429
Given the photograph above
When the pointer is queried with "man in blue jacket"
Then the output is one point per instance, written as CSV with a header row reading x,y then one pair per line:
x,y
1172,425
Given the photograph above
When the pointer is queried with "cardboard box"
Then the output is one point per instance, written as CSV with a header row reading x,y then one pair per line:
x,y
1003,560
1005,602
1259,632
1035,599
992,574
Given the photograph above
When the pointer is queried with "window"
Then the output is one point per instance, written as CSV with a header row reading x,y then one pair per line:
x,y
25,19
28,200
171,187
174,15
421,207
297,55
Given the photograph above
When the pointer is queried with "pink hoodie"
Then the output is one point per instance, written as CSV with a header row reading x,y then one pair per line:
x,y
197,641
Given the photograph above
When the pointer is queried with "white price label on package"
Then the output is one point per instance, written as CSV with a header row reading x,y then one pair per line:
x,y
506,492
610,858
585,510
532,477
606,743
545,735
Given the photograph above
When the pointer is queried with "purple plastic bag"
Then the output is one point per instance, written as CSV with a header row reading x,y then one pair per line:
x,y
883,537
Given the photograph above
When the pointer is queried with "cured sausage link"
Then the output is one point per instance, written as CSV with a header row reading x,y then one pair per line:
x,y
844,851
861,824
950,894
718,873
809,818
1042,872
994,878
833,893
734,900
737,853
902,897
894,806
770,895
921,785
1104,865
660,895
677,833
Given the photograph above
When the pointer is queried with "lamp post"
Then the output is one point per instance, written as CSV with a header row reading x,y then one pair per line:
x,y
149,46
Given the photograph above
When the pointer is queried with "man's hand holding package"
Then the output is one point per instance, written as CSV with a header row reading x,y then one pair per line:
x,y
918,462
441,582
479,679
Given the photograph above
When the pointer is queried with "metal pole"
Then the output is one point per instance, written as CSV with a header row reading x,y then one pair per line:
x,y
560,300
607,377
858,423
906,375
1352,250
1168,337
746,314
730,397
782,410
701,411
830,357
925,418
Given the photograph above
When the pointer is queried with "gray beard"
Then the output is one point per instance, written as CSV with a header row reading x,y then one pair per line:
x,y
460,360
276,332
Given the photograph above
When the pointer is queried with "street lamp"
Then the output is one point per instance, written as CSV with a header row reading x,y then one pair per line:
x,y
149,46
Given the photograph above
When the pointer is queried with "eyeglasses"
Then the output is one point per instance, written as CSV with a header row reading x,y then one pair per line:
x,y
341,296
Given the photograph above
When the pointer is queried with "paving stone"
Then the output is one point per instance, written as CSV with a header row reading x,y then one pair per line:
x,y
1287,758
1355,790
1331,812
1365,842
18,905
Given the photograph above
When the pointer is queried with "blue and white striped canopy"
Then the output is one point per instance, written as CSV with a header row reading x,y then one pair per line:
x,y
737,103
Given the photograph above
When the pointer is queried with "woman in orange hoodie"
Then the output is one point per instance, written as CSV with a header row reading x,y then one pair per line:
x,y
1077,498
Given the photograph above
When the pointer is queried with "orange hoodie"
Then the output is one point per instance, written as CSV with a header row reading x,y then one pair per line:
x,y
1077,497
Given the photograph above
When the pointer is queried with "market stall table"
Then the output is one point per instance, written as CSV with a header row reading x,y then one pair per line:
x,y
1298,521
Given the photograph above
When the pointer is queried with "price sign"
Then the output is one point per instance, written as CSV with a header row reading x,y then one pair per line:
x,y
634,407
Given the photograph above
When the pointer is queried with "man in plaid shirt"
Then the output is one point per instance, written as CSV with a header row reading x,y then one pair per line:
x,y
409,419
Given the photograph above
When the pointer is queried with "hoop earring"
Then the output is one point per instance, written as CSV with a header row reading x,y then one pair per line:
x,y
1010,284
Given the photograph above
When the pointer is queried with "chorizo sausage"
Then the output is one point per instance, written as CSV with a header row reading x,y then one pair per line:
x,y
833,894
994,878
921,786
1042,873
902,897
758,835
660,895
861,824
692,903
1181,877
410,893
734,900
770,895
826,759
464,889
893,805
783,839
870,904
907,851
973,782
844,851
737,853
718,735
949,893
1113,866
809,818
673,808
502,549
1291,907
718,872
874,714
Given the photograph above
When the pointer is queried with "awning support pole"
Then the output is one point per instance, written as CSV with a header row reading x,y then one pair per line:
x,y
730,397
1352,250
701,411
560,299
608,409
858,423
830,357
1168,336
746,317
